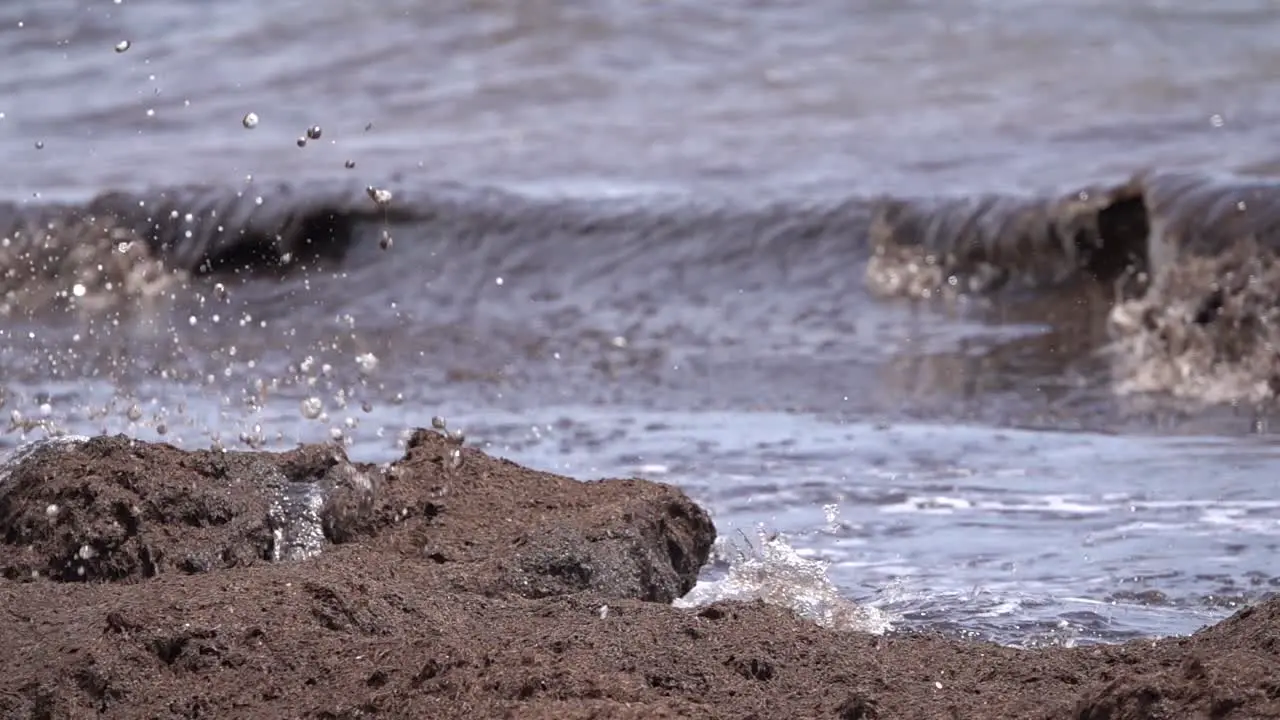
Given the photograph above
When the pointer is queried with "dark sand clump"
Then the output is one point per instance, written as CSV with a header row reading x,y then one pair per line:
x,y
475,588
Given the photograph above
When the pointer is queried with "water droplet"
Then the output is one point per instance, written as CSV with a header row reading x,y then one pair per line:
x,y
379,196
311,408
39,144
78,290
302,141
336,434
385,242
314,132
439,423
135,413
457,436
350,164
250,121
123,45
366,406
455,458
368,362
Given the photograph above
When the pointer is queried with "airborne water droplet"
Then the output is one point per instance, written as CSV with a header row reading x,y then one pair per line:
x,y
368,362
439,423
250,121
314,132
123,45
311,408
350,164
39,144
385,242
302,141
379,196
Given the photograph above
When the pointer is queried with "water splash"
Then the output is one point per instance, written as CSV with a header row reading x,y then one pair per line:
x,y
297,523
771,570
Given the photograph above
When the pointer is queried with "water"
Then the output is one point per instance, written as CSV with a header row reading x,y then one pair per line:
x,y
675,287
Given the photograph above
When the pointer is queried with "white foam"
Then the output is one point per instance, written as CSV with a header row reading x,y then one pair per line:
x,y
947,505
929,505
652,469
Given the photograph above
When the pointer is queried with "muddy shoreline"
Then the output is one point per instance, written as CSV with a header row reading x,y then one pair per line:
x,y
146,581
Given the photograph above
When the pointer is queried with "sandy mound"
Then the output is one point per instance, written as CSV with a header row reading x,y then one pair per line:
x,y
455,585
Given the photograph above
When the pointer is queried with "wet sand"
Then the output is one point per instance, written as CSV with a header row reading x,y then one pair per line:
x,y
146,581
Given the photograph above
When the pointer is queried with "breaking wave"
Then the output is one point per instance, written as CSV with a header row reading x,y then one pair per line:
x,y
1189,255
1192,259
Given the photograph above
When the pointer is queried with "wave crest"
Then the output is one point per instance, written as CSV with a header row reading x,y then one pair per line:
x,y
1193,258
1171,244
